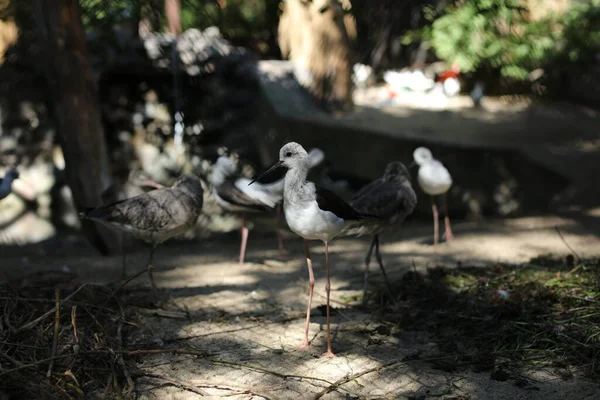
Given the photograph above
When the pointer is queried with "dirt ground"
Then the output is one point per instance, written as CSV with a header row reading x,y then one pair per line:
x,y
247,321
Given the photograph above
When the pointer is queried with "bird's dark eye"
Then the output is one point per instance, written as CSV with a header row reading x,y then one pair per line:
x,y
288,154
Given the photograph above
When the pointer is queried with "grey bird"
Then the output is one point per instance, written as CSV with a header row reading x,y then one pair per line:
x,y
128,185
231,191
313,213
390,199
6,183
156,216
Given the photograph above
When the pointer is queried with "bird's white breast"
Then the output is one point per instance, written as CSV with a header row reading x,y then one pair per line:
x,y
311,222
434,178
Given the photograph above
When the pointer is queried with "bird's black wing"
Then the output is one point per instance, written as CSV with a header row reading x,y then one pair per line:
x,y
329,201
366,190
231,194
385,199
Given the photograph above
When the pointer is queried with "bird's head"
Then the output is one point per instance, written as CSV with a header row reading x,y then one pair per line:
x,y
396,171
291,156
315,156
139,178
190,184
223,168
422,155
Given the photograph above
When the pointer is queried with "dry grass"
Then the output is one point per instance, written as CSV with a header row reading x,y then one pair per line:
x,y
544,313
62,340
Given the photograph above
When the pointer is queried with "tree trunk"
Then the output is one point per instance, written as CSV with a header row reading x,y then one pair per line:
x,y
173,12
314,36
76,108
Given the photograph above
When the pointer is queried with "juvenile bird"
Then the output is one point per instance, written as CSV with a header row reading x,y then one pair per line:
x,y
127,186
390,199
156,216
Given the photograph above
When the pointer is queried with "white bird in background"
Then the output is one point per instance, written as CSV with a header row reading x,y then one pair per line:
x,y
361,74
232,193
435,180
415,81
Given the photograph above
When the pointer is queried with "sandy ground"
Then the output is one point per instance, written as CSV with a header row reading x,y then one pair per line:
x,y
248,320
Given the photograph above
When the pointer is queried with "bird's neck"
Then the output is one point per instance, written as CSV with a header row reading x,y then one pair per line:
x,y
218,177
196,196
295,178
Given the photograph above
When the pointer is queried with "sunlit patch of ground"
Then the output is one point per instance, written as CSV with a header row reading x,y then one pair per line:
x,y
478,318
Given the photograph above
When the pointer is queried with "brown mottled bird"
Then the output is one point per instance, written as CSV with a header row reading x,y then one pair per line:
x,y
155,216
390,199
128,185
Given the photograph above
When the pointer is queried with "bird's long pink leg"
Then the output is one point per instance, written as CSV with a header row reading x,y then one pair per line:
x,y
279,235
447,230
311,286
328,353
435,222
244,232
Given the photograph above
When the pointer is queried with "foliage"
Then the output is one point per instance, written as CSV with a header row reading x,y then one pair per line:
x,y
499,34
247,22
496,33
581,32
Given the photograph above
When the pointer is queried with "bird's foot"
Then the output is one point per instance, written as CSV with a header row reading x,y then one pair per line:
x,y
304,346
328,354
283,254
448,236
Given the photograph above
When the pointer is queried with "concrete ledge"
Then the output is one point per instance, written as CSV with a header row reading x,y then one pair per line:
x,y
489,151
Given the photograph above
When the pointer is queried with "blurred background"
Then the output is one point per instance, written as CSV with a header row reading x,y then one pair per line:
x,y
504,92
96,94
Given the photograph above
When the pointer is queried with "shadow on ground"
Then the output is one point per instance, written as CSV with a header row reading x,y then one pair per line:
x,y
466,323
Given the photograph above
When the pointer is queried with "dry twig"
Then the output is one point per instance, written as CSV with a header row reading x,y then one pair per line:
x,y
178,383
36,321
56,330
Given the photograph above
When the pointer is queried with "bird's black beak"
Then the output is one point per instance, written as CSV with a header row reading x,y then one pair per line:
x,y
412,164
277,164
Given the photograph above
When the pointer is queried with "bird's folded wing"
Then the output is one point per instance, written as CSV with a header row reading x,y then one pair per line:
x,y
329,201
150,211
229,192
386,200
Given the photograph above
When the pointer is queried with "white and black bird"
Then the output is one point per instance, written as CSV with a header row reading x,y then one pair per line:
x,y
233,193
274,182
312,213
6,183
156,216
390,199
127,186
435,180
